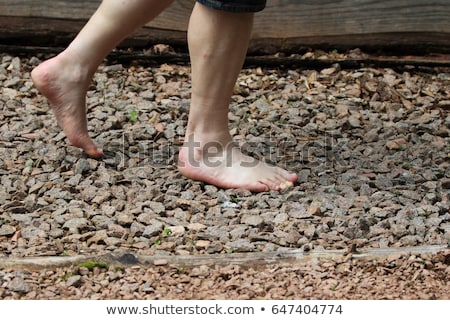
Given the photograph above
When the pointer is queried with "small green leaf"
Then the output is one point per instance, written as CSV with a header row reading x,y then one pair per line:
x,y
133,115
29,164
136,86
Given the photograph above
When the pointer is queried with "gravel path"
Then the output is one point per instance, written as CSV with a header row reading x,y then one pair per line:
x,y
371,147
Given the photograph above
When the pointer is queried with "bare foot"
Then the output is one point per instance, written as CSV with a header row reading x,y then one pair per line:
x,y
227,167
65,86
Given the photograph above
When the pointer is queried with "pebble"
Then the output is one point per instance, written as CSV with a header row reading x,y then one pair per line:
x,y
202,244
7,230
124,218
18,284
177,231
252,220
75,225
74,281
160,262
241,245
154,229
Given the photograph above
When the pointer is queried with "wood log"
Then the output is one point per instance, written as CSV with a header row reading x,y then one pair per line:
x,y
410,25
292,256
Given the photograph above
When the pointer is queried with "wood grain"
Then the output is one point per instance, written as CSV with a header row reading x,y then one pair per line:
x,y
283,22
243,259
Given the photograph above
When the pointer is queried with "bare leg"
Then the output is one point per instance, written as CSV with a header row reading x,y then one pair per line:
x,y
218,42
64,79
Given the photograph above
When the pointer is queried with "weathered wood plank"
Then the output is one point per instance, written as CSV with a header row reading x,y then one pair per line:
x,y
282,18
242,259
285,22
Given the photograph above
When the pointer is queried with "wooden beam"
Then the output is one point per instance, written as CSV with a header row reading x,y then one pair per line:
x,y
288,23
293,256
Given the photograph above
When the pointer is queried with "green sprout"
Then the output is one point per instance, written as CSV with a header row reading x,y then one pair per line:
x,y
166,231
136,86
133,115
29,164
67,276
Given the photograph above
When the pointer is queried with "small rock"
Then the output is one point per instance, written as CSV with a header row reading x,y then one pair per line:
x,y
15,64
241,245
157,207
341,110
252,220
445,183
32,233
395,144
202,244
124,218
11,82
202,271
117,231
99,237
354,122
74,281
298,211
83,271
10,93
36,187
314,210
136,229
7,230
229,204
76,224
196,226
328,71
18,284
292,236
160,262
108,210
82,166
101,196
177,231
147,288
298,195
153,229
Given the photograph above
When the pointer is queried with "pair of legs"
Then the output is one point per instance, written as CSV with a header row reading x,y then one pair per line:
x,y
218,42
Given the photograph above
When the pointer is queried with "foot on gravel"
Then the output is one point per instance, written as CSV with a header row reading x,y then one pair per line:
x,y
229,168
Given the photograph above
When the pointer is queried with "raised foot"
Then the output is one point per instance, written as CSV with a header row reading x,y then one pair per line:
x,y
65,86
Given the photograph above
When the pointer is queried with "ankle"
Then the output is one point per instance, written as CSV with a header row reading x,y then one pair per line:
x,y
200,138
74,67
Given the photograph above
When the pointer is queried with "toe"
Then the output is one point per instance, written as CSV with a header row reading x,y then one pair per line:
x,y
84,142
94,152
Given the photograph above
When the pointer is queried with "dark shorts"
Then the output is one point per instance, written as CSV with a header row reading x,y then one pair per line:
x,y
235,5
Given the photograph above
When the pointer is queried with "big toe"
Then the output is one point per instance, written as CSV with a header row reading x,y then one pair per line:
x,y
93,151
88,146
